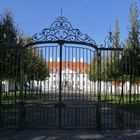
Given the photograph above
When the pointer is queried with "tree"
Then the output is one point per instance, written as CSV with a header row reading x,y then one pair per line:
x,y
114,63
93,72
35,66
9,31
8,43
132,54
134,47
11,42
109,66
98,68
11,50
8,39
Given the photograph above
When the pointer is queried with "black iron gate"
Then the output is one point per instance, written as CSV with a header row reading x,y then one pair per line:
x,y
62,79
63,98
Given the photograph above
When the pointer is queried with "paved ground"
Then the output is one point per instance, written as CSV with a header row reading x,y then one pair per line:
x,y
108,120
69,135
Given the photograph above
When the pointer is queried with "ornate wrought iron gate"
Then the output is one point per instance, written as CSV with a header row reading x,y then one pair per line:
x,y
62,79
64,98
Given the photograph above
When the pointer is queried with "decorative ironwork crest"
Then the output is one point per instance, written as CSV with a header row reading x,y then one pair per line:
x,y
61,29
109,40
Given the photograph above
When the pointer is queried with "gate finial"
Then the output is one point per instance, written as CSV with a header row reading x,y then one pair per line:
x,y
110,31
61,12
109,40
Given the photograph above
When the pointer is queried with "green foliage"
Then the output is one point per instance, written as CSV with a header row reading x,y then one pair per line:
x,y
116,64
93,73
34,65
9,43
131,59
114,67
13,56
8,30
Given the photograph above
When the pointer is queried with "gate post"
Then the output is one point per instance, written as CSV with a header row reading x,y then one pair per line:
x,y
98,111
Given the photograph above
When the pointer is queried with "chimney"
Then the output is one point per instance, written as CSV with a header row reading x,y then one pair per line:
x,y
58,59
81,60
73,59
50,59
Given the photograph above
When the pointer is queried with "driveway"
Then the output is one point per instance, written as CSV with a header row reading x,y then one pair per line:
x,y
37,134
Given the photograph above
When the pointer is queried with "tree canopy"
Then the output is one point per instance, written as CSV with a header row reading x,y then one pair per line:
x,y
12,50
126,63
132,46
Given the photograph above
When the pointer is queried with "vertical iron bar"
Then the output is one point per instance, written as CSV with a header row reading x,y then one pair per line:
x,y
122,94
99,90
60,85
2,111
21,91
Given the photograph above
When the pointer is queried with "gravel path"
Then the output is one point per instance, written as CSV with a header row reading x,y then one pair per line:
x,y
69,135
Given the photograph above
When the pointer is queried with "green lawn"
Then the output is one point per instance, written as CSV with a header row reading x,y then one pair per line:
x,y
132,105
11,98
14,97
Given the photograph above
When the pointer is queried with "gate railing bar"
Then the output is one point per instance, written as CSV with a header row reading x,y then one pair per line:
x,y
62,42
21,100
60,86
119,111
115,49
98,117
1,105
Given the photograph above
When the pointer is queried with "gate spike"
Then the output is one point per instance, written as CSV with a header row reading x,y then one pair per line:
x,y
61,12
110,31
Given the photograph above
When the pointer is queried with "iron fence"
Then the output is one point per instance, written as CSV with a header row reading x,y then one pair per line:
x,y
67,81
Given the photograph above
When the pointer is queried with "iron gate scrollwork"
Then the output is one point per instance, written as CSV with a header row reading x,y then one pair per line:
x,y
61,29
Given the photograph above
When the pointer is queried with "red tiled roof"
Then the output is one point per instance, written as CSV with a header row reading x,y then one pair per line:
x,y
80,67
115,83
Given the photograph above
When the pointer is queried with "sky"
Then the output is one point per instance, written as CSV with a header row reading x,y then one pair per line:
x,y
93,17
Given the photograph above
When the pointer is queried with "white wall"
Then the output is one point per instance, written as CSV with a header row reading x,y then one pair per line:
x,y
77,82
